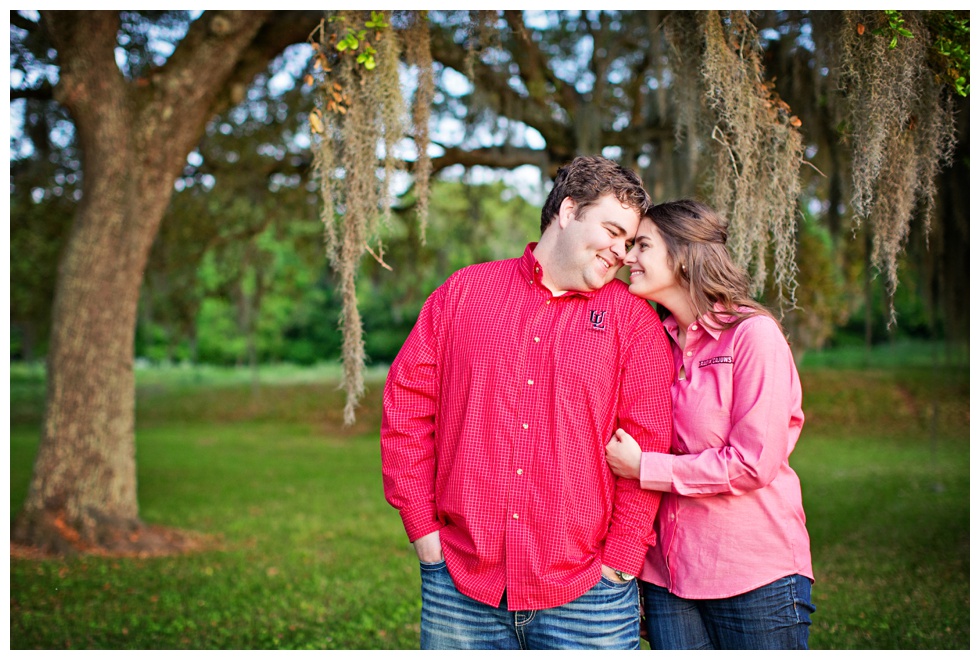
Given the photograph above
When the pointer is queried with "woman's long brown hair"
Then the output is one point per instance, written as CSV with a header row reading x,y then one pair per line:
x,y
695,235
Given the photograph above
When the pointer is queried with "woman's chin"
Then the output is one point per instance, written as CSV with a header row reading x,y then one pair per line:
x,y
637,290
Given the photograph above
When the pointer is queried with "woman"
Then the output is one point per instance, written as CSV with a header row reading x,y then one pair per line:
x,y
731,567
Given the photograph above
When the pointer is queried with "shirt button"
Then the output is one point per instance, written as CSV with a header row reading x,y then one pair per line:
x,y
520,471
537,339
694,326
530,382
690,353
524,425
547,302
516,516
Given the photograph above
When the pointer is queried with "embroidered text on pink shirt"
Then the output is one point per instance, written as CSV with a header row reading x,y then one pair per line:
x,y
722,359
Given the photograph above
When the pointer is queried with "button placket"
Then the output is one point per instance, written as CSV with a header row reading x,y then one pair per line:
x,y
529,401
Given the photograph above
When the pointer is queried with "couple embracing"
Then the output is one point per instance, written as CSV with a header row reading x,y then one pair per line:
x,y
562,456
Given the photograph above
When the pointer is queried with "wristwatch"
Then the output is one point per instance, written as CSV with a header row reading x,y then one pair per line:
x,y
625,577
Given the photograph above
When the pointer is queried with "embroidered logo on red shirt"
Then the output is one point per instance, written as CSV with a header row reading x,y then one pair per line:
x,y
597,319
721,359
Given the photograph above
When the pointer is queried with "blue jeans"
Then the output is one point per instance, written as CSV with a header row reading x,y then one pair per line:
x,y
605,617
774,616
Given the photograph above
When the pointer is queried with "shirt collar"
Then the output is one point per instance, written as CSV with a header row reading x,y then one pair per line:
x,y
671,325
532,272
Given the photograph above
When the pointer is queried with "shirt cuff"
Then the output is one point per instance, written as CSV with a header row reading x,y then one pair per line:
x,y
626,554
656,471
419,521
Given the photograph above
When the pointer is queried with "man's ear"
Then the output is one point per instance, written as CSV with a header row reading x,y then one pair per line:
x,y
566,212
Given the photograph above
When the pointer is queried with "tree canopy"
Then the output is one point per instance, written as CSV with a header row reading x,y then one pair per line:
x,y
762,113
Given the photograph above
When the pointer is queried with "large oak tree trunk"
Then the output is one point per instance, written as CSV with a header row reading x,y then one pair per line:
x,y
134,139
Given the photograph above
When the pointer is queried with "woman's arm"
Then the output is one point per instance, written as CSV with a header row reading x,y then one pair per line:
x,y
765,423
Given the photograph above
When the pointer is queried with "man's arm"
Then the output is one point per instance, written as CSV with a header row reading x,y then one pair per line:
x,y
644,412
408,449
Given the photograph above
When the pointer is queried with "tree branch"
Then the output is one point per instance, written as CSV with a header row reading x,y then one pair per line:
x,y
531,111
18,21
508,158
534,66
281,30
203,59
43,93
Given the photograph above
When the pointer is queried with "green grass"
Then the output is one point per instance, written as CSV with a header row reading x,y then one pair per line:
x,y
311,556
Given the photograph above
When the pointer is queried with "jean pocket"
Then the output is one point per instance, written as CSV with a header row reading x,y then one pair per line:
x,y
613,584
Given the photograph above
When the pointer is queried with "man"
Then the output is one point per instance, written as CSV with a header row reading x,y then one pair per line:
x,y
496,415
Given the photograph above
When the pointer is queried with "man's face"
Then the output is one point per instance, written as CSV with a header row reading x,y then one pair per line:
x,y
592,243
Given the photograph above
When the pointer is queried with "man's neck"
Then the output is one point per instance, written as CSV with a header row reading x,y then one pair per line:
x,y
542,253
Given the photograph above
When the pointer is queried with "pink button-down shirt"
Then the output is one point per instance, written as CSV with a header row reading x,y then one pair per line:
x,y
731,519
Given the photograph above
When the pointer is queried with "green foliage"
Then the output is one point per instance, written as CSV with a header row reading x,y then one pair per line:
x,y
247,201
296,317
38,231
45,185
377,21
310,555
820,298
952,46
467,224
914,318
353,39
894,29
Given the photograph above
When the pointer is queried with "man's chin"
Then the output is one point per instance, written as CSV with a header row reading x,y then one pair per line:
x,y
599,282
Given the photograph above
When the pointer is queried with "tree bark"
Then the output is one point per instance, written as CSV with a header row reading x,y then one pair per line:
x,y
134,139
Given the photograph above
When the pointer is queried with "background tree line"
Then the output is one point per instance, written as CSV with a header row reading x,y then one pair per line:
x,y
163,203
237,265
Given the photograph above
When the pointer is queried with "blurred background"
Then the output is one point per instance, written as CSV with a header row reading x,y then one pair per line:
x,y
237,273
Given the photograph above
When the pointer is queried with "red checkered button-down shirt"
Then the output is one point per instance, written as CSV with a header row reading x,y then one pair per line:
x,y
497,411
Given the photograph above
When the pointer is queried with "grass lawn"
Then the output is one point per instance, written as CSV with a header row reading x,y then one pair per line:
x,y
310,556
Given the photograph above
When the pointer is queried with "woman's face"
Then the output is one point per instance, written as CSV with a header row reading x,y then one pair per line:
x,y
651,273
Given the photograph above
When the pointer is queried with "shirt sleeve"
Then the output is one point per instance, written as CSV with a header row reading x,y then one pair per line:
x,y
408,451
645,413
765,393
